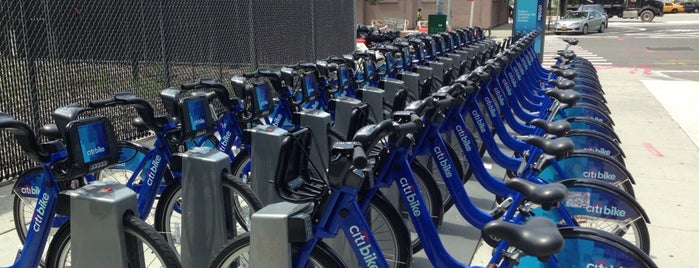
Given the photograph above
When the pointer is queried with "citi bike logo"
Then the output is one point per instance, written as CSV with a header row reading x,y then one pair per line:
x,y
594,174
479,121
602,209
491,107
199,121
96,150
225,140
40,211
277,120
29,190
443,163
599,150
153,169
498,94
602,264
409,192
314,105
360,240
508,89
512,78
597,119
463,138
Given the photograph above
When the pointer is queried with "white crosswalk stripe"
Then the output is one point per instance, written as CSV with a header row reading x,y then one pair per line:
x,y
555,43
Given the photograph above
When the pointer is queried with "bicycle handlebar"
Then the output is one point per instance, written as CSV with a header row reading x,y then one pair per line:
x,y
274,77
359,159
25,137
219,89
143,107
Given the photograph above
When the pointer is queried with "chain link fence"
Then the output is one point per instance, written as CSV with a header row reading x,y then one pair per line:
x,y
57,52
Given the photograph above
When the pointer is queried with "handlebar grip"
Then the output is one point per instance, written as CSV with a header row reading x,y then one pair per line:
x,y
405,128
191,86
359,159
103,103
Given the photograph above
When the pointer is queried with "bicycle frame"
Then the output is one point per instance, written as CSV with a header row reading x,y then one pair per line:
x,y
150,169
42,221
397,169
342,212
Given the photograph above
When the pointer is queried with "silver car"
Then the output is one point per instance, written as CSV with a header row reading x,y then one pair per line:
x,y
581,22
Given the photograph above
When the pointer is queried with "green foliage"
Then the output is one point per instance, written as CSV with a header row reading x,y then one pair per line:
x,y
373,2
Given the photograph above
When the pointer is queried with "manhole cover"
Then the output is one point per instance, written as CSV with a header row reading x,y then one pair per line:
x,y
668,48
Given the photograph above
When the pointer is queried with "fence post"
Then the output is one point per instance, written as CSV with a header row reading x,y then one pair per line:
x,y
164,46
253,51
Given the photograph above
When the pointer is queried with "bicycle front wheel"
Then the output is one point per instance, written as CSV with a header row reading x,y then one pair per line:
x,y
235,254
142,243
239,205
585,247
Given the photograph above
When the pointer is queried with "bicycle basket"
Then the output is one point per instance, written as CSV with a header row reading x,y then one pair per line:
x,y
91,145
196,116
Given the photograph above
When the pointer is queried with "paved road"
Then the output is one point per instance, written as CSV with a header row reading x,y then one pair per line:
x,y
668,45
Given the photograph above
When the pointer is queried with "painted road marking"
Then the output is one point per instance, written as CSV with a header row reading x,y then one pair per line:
x,y
652,149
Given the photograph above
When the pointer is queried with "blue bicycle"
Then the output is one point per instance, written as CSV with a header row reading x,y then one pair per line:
x,y
88,145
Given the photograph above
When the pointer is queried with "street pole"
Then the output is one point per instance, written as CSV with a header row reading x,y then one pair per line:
x,y
448,13
470,19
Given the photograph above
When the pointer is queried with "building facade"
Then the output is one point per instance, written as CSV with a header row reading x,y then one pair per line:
x,y
486,13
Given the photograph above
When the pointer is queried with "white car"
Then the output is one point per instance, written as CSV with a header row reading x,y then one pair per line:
x,y
581,22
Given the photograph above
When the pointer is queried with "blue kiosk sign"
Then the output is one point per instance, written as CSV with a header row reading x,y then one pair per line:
x,y
529,16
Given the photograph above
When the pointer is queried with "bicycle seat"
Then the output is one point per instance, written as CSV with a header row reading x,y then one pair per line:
x,y
568,97
569,74
50,131
541,194
562,83
558,147
566,55
558,128
536,237
571,41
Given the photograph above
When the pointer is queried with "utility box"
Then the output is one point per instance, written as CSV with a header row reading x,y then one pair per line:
x,y
436,24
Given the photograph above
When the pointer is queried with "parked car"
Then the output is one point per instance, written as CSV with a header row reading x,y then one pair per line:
x,y
671,7
581,22
598,8
689,7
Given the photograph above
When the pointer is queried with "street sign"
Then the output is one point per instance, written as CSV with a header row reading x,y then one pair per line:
x,y
529,16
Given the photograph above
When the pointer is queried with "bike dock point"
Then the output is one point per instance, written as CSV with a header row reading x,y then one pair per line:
x,y
318,121
290,222
96,216
203,216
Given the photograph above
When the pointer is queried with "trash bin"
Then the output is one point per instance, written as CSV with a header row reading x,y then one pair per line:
x,y
437,24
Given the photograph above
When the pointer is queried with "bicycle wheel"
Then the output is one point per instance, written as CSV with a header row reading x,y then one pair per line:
x,y
590,165
137,235
239,205
600,206
235,254
390,233
585,247
241,166
130,157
